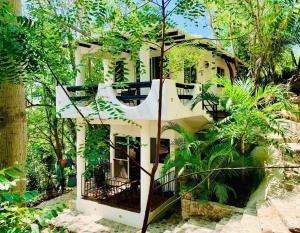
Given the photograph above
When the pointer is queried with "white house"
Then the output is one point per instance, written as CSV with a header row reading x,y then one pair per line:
x,y
123,195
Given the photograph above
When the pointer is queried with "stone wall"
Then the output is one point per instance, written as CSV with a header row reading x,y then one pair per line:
x,y
207,210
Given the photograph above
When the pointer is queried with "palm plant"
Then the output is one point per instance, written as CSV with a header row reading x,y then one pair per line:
x,y
197,156
254,114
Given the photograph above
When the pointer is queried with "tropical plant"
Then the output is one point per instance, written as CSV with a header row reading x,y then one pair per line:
x,y
258,32
15,215
198,157
254,114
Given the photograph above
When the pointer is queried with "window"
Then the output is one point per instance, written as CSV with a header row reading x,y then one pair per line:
x,y
220,73
121,160
190,73
164,149
119,72
122,165
154,68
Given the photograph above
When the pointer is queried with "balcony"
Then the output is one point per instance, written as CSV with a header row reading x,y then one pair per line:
x,y
136,101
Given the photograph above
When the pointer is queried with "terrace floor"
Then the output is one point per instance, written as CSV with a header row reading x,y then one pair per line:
x,y
131,201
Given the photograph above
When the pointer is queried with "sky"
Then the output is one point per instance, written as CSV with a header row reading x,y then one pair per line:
x,y
204,30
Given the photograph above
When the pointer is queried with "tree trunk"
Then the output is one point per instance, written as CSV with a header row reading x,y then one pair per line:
x,y
12,125
155,165
13,118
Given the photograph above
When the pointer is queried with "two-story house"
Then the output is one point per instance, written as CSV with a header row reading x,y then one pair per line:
x,y
120,191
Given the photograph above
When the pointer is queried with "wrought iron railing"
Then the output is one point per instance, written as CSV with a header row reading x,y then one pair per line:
x,y
183,91
129,92
165,183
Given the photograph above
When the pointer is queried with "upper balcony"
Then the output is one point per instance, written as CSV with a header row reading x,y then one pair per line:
x,y
133,101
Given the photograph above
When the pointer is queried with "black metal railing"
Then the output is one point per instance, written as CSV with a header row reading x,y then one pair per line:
x,y
212,107
114,192
130,93
82,93
183,91
95,178
164,188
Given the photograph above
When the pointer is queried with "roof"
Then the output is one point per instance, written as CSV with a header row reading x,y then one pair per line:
x,y
175,36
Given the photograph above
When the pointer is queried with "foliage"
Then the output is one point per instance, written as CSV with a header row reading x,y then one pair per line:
x,y
187,55
258,32
15,216
253,116
16,54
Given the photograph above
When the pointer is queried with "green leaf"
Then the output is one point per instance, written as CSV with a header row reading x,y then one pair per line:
x,y
54,213
11,174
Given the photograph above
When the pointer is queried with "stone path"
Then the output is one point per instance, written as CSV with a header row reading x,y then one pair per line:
x,y
277,215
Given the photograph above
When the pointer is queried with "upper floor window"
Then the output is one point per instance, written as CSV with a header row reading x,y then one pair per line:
x,y
220,73
120,71
154,67
190,73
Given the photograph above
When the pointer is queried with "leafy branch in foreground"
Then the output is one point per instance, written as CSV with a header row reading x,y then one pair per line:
x,y
15,215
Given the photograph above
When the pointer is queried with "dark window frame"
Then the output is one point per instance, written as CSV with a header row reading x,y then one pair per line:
x,y
162,157
220,73
190,73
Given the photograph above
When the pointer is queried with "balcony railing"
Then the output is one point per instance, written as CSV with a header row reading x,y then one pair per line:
x,y
141,96
129,93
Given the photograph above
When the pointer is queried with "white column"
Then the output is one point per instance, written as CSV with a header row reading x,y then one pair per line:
x,y
80,131
80,146
145,163
108,77
80,74
145,67
131,68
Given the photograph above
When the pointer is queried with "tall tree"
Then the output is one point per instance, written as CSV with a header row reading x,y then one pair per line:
x,y
12,94
258,32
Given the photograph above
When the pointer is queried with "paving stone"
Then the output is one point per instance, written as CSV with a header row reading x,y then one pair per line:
x,y
269,220
288,208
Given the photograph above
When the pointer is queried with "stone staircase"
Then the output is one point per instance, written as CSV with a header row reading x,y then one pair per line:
x,y
276,215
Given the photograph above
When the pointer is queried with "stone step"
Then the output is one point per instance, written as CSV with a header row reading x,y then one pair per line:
x,y
191,228
250,223
233,226
269,220
219,226
288,208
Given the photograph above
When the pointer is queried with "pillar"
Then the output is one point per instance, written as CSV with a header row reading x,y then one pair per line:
x,y
80,128
144,55
145,163
108,77
80,161
79,81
